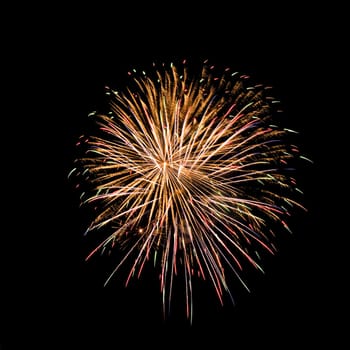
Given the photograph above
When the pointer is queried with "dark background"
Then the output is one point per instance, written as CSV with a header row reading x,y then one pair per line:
x,y
56,297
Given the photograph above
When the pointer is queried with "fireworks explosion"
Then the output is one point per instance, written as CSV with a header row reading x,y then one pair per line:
x,y
189,172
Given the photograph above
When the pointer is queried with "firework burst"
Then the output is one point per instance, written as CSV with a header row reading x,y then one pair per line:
x,y
189,172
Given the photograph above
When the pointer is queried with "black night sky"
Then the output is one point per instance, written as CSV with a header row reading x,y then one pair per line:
x,y
62,298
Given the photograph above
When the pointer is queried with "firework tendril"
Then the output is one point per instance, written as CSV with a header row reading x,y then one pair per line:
x,y
189,172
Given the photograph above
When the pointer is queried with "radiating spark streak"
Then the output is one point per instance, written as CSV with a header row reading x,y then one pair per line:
x,y
193,170
308,159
